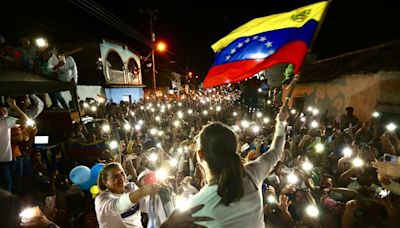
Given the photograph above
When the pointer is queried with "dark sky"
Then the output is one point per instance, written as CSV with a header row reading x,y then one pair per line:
x,y
190,27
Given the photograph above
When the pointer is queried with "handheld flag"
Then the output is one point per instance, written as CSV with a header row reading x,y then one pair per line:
x,y
264,42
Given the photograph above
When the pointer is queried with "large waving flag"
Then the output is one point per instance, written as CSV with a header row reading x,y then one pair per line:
x,y
264,42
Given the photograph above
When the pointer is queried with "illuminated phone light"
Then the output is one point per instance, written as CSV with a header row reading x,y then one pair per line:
x,y
256,129
271,199
138,127
245,123
30,123
153,157
106,128
307,166
312,211
319,147
162,174
292,178
347,151
357,162
113,145
127,127
314,124
375,114
181,203
391,127
153,131
180,150
173,162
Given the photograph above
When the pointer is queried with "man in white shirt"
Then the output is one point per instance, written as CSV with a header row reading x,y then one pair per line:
x,y
66,70
6,123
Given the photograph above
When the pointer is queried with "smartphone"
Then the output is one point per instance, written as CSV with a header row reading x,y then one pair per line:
x,y
29,213
379,191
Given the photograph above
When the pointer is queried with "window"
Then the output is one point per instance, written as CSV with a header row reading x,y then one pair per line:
x,y
126,98
114,61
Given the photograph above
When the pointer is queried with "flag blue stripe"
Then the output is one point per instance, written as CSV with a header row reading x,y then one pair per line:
x,y
262,45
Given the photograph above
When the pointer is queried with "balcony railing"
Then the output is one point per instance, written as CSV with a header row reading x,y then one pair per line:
x,y
120,77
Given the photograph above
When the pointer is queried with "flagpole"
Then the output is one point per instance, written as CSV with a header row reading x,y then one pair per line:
x,y
296,77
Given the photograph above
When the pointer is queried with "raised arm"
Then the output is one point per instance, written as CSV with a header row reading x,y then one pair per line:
x,y
37,106
262,166
109,204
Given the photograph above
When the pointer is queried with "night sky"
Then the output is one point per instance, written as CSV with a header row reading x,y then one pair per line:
x,y
191,27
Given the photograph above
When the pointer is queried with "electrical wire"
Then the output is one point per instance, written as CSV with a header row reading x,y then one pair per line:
x,y
113,21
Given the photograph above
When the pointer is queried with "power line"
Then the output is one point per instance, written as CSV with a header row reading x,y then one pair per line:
x,y
100,9
112,20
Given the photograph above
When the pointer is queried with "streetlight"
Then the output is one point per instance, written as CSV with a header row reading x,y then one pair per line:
x,y
161,46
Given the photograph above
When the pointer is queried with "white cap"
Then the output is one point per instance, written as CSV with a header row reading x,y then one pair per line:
x,y
143,173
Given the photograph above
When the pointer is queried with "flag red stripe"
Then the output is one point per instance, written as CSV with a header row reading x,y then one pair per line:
x,y
293,52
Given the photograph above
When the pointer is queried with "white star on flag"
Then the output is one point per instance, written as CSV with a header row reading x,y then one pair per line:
x,y
255,37
240,45
268,44
271,51
233,51
262,39
227,57
247,40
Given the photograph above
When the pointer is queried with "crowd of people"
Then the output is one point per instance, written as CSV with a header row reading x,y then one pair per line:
x,y
312,170
39,58
202,159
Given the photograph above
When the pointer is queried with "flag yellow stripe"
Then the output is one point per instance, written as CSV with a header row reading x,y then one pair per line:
x,y
273,22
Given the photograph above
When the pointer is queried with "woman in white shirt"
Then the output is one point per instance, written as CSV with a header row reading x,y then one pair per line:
x,y
118,203
233,195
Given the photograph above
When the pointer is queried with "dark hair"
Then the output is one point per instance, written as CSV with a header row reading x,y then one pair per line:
x,y
10,207
349,109
219,145
102,178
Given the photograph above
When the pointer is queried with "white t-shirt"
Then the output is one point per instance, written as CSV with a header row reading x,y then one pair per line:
x,y
248,211
6,123
117,210
66,72
159,215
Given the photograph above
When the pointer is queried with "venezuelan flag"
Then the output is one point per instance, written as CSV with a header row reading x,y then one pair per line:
x,y
263,43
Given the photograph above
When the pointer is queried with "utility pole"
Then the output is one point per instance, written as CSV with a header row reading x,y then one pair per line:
x,y
153,39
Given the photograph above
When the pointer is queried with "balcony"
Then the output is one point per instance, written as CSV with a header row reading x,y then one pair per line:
x,y
120,77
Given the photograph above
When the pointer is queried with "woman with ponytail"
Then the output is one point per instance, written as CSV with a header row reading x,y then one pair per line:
x,y
233,194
